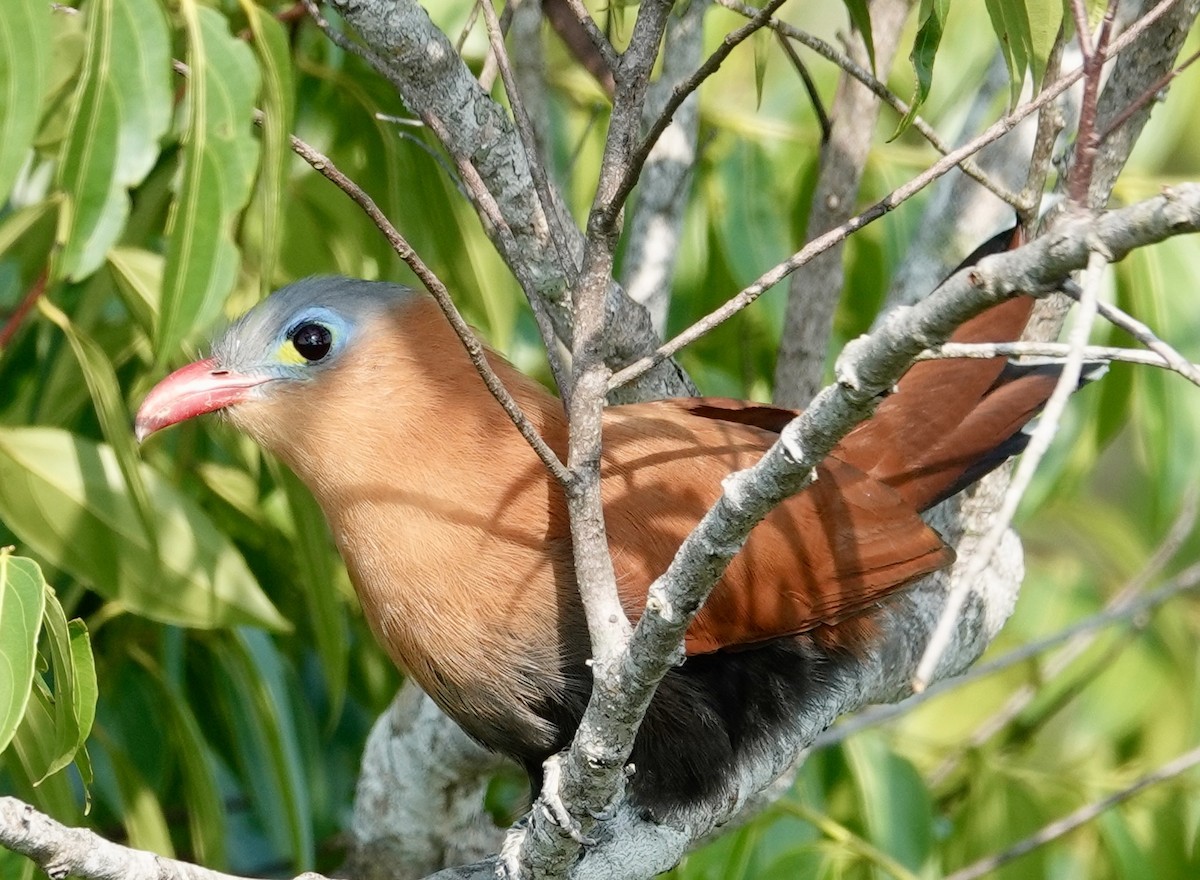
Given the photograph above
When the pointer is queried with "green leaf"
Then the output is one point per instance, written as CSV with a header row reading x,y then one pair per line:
x,y
20,223
278,105
138,274
893,800
22,600
254,689
1011,26
220,154
1045,21
74,686
140,810
860,17
34,747
102,384
932,18
762,44
24,74
319,571
122,108
206,816
64,496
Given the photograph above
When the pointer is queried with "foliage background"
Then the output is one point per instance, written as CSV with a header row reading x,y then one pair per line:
x,y
236,678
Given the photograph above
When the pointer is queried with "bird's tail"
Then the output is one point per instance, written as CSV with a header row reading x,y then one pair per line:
x,y
950,422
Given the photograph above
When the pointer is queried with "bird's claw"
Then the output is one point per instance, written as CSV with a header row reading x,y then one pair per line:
x,y
557,813
554,808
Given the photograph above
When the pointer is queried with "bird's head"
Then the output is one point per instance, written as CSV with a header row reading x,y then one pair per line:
x,y
287,344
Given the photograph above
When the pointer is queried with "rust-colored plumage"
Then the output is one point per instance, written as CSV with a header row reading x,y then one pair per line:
x,y
457,538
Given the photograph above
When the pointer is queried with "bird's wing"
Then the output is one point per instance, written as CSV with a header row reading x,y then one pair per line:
x,y
819,558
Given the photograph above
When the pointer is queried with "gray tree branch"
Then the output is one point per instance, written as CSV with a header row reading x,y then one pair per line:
x,y
815,289
421,63
626,846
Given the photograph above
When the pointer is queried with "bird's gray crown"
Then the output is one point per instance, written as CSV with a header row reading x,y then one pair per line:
x,y
350,301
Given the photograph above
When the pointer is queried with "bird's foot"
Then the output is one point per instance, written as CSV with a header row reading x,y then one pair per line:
x,y
508,866
552,803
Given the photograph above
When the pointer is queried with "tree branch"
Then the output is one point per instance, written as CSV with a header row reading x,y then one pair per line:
x,y
868,367
79,852
433,81
815,289
1039,443
433,284
1059,351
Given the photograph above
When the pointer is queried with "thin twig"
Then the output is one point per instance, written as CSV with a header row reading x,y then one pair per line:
x,y
472,17
1050,124
491,62
1047,426
599,41
880,90
475,350
822,243
550,217
17,316
1079,817
814,96
1147,96
1055,351
1126,597
638,155
341,40
1143,334
1087,141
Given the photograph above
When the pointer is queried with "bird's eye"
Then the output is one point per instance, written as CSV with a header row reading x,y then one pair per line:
x,y
312,341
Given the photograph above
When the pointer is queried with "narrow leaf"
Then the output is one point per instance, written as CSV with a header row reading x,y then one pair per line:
x,y
319,572
860,17
1011,26
64,496
74,686
122,108
1045,21
22,599
66,724
278,105
138,274
34,748
206,815
762,45
220,155
141,813
102,384
932,17
255,694
24,74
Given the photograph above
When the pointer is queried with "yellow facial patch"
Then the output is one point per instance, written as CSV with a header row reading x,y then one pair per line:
x,y
287,354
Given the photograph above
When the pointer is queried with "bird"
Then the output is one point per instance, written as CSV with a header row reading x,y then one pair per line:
x,y
457,540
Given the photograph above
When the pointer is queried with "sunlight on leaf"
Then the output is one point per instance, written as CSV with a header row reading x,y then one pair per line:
x,y
22,599
24,74
65,497
220,155
122,109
